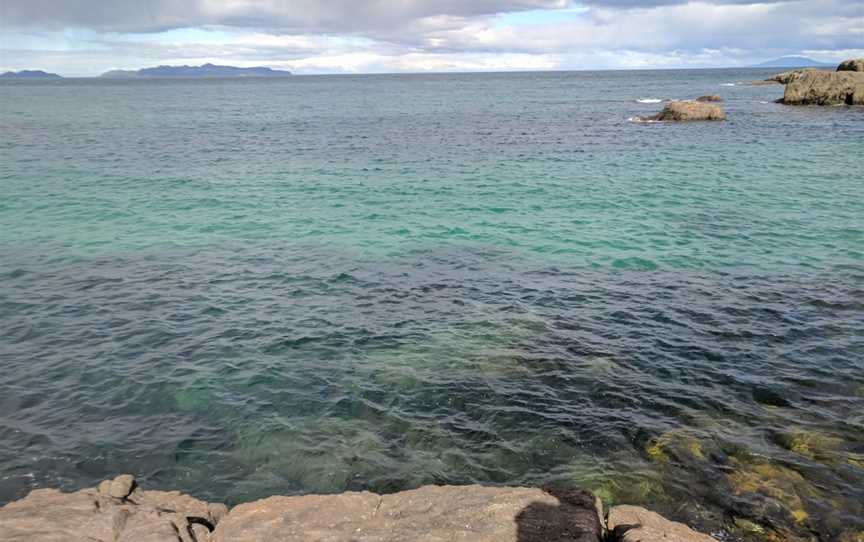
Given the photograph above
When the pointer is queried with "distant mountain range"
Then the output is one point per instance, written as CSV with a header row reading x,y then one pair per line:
x,y
29,74
794,62
207,70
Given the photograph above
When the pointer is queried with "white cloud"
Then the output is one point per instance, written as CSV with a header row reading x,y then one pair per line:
x,y
311,36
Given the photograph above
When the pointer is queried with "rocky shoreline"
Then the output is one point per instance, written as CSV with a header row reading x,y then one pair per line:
x,y
119,510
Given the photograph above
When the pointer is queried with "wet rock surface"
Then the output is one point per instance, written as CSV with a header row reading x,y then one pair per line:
x,y
430,513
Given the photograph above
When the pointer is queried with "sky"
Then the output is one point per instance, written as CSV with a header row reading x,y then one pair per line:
x,y
88,37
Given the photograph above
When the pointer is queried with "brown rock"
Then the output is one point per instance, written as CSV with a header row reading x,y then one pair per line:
x,y
853,65
710,98
688,111
428,514
826,88
787,77
635,524
48,515
121,487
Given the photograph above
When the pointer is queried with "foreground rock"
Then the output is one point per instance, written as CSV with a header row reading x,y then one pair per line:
x,y
854,65
119,511
635,524
685,111
826,88
431,513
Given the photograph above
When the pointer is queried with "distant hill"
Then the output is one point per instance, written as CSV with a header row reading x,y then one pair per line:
x,y
793,62
207,70
29,74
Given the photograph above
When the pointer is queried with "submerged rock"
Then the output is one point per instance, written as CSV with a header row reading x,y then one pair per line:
x,y
685,111
635,524
853,65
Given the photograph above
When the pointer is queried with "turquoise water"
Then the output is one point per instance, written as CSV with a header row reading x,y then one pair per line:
x,y
245,287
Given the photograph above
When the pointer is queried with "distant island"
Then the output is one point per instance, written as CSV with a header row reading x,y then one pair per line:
x,y
207,70
793,62
29,74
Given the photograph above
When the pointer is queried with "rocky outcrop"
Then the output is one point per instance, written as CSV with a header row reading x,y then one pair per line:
x,y
826,88
853,65
710,98
685,111
119,511
787,77
116,511
635,524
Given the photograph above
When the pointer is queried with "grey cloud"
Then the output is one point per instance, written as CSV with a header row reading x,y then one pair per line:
x,y
285,15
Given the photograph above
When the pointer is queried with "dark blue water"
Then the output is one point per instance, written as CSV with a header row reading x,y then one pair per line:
x,y
245,287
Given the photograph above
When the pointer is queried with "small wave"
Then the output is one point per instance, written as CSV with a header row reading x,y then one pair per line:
x,y
728,84
642,120
649,101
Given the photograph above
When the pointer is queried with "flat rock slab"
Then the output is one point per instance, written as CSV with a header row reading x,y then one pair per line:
x,y
636,524
428,514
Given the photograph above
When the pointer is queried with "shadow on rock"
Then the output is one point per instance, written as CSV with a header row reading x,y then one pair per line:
x,y
576,517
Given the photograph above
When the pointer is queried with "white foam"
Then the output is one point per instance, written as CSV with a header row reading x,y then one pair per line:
x,y
728,84
649,101
643,120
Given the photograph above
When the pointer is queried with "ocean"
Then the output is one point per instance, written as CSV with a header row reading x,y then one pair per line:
x,y
245,287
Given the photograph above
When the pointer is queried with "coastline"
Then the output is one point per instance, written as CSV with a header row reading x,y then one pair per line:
x,y
120,510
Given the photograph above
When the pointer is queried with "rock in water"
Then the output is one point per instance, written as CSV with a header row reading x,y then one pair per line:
x,y
826,88
688,111
853,65
431,514
710,98
787,77
635,524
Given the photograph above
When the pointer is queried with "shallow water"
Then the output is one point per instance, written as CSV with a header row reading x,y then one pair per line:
x,y
245,287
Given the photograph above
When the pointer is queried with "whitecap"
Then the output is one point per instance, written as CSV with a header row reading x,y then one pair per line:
x,y
649,101
728,84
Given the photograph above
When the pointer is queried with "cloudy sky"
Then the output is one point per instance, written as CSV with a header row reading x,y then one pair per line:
x,y
88,37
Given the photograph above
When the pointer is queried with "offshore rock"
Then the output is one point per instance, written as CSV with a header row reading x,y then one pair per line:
x,y
710,98
685,111
431,514
853,65
826,88
635,524
787,77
